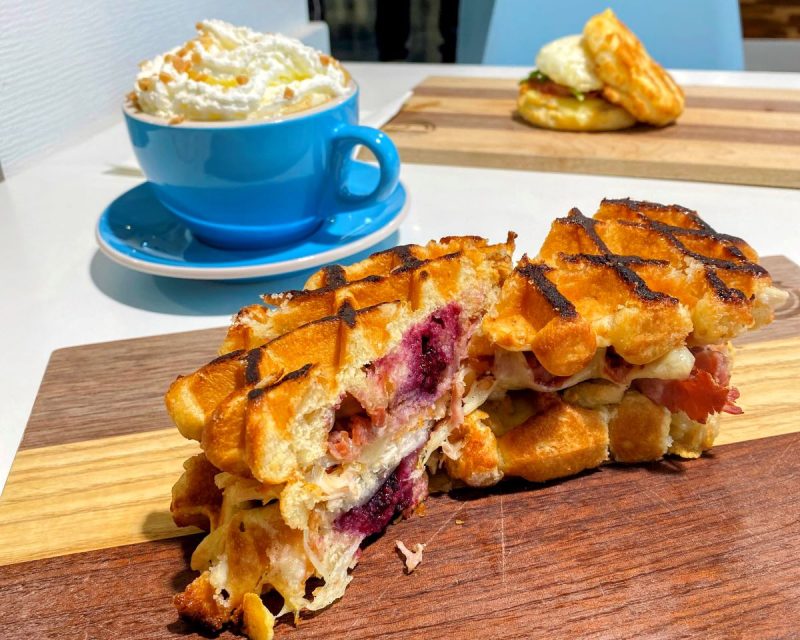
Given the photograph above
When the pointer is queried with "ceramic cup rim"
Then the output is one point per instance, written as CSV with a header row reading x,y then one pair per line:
x,y
131,112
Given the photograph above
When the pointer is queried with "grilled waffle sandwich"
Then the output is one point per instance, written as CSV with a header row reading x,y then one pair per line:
x,y
612,344
329,407
315,426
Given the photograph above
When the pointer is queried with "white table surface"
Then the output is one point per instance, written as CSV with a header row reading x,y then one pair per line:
x,y
57,290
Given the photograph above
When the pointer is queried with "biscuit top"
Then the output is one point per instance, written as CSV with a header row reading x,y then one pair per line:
x,y
631,78
234,73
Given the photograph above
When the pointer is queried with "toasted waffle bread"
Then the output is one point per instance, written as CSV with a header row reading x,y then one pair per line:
x,y
362,284
306,429
619,329
414,274
326,412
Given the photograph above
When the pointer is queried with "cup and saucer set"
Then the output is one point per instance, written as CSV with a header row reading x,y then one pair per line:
x,y
233,200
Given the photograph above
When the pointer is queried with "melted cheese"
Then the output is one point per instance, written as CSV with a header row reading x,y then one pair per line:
x,y
565,61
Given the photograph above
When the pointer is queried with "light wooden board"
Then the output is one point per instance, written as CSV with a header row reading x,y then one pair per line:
x,y
87,546
738,136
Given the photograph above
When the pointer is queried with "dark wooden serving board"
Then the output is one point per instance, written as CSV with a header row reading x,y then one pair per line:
x,y
735,136
666,550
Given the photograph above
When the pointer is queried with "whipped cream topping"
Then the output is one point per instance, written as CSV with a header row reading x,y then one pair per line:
x,y
234,73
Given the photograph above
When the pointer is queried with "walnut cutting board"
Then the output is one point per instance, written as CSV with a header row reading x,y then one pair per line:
x,y
666,550
736,136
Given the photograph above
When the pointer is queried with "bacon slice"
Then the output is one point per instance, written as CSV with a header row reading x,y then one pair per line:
x,y
554,89
704,392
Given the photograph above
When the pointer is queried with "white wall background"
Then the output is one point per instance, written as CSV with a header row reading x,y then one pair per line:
x,y
66,65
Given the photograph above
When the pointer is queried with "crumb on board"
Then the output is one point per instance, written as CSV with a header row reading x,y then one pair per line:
x,y
411,558
459,522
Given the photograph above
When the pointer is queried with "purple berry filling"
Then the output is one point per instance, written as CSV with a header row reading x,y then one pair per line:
x,y
426,356
419,370
400,491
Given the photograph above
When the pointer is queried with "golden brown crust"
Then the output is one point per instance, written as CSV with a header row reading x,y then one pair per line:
x,y
240,406
394,274
531,315
570,114
639,277
264,414
196,603
560,441
632,78
638,430
196,500
478,464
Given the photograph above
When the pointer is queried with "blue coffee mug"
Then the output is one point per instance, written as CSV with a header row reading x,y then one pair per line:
x,y
248,185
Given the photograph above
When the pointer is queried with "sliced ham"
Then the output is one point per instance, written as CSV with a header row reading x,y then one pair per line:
x,y
615,367
542,378
704,392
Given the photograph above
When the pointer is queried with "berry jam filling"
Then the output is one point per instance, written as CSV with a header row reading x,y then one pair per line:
x,y
412,376
425,358
401,491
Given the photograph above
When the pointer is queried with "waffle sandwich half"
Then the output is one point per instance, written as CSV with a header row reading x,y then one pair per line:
x,y
315,423
328,409
612,344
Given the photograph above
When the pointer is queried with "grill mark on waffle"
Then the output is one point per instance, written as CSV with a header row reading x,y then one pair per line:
x,y
535,274
251,372
293,375
334,277
338,281
575,217
743,265
729,242
698,228
408,261
640,206
227,356
721,290
347,314
620,265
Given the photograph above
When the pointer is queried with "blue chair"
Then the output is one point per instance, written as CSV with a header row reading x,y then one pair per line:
x,y
680,34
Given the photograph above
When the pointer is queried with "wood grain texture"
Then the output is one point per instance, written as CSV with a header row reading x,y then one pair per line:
x,y
770,18
737,136
93,391
707,548
92,494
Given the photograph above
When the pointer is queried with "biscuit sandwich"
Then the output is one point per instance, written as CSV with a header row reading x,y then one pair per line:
x,y
600,80
328,409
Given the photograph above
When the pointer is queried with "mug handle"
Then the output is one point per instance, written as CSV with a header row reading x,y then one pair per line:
x,y
348,136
